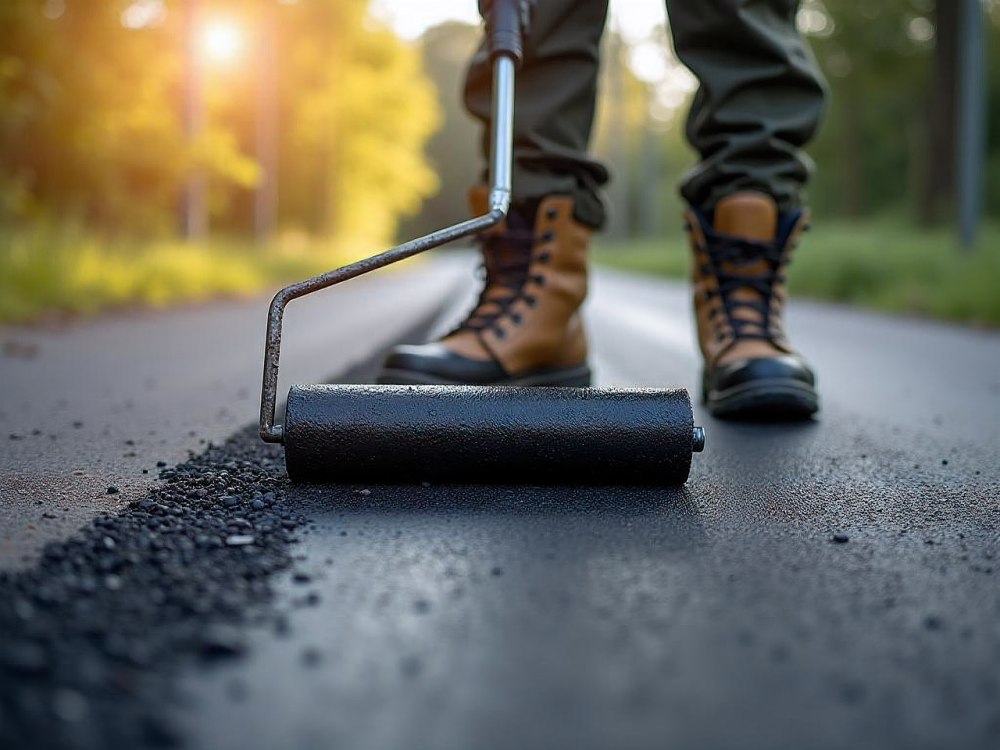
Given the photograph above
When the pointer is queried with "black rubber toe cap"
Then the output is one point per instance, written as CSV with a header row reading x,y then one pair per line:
x,y
435,363
785,368
765,388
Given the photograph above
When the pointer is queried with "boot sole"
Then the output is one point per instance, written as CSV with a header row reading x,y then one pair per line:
x,y
567,377
764,401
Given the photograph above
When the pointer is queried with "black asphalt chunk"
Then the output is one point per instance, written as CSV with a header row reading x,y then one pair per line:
x,y
90,636
220,641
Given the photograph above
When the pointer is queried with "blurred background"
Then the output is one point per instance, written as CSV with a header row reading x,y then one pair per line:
x,y
156,151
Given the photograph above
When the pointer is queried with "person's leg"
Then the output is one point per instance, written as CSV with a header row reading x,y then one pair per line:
x,y
526,329
759,101
554,109
760,98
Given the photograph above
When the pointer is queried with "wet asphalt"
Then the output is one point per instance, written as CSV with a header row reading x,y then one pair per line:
x,y
827,584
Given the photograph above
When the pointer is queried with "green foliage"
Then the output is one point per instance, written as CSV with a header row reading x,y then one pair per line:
x,y
453,152
357,110
86,132
869,151
60,268
875,150
93,129
883,263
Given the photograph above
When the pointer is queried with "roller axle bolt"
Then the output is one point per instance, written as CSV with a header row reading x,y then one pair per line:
x,y
698,440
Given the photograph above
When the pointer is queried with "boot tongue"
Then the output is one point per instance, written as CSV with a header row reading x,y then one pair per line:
x,y
507,258
751,216
501,253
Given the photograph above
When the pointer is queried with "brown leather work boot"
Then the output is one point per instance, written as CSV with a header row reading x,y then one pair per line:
x,y
750,369
526,328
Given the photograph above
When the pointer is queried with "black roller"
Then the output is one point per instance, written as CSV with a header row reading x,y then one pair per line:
x,y
488,435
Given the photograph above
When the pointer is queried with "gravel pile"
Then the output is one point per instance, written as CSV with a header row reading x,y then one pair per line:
x,y
90,634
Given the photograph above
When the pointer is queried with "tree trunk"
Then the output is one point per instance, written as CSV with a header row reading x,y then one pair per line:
x,y
939,192
851,166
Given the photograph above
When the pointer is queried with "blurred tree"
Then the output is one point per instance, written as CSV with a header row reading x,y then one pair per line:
x,y
99,136
453,150
876,55
357,109
889,138
991,204
26,89
642,142
96,135
938,191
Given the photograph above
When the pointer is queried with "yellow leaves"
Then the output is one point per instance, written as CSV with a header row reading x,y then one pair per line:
x,y
216,152
382,171
98,110
11,68
60,268
358,111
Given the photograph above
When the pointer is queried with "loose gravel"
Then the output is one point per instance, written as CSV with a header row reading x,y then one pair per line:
x,y
108,615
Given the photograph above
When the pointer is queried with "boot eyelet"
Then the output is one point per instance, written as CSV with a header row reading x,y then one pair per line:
x,y
538,279
516,317
551,212
544,257
531,301
547,236
500,332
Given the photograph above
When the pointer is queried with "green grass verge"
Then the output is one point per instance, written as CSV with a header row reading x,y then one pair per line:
x,y
880,264
46,271
883,264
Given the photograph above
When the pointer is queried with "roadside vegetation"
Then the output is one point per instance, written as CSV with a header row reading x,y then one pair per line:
x,y
48,272
882,264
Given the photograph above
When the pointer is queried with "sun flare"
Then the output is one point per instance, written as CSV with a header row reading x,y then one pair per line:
x,y
221,40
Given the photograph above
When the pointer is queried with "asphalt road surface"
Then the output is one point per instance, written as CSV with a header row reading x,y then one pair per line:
x,y
831,584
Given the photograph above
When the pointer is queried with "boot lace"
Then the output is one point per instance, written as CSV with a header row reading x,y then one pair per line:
x,y
730,260
507,258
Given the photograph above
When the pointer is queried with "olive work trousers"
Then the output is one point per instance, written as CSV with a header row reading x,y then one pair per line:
x,y
759,101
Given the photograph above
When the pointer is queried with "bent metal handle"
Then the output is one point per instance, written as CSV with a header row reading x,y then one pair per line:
x,y
502,137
